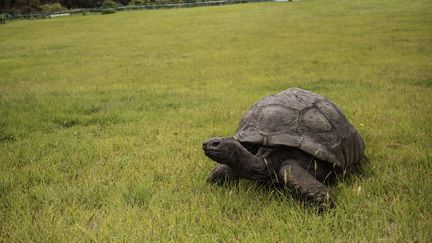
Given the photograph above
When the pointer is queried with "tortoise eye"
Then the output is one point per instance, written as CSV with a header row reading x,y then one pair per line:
x,y
215,143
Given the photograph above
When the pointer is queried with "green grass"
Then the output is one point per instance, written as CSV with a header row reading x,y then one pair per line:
x,y
102,119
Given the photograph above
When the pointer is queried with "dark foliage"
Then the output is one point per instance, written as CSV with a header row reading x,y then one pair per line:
x,y
29,6
24,6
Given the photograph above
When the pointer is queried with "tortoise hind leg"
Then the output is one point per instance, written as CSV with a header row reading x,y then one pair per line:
x,y
221,174
303,184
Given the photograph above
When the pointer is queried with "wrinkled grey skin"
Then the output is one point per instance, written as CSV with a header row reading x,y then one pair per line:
x,y
296,138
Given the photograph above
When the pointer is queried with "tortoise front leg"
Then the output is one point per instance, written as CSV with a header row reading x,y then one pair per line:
x,y
303,184
221,174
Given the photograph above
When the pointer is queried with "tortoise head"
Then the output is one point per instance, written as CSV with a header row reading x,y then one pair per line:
x,y
221,149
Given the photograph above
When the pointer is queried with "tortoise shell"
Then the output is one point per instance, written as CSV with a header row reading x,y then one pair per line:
x,y
304,120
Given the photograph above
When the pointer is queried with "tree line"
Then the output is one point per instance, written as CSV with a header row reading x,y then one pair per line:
x,y
31,6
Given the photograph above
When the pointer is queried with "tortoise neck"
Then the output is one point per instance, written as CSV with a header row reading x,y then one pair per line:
x,y
242,157
250,166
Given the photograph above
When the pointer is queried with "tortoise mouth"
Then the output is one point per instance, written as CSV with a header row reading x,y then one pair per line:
x,y
212,153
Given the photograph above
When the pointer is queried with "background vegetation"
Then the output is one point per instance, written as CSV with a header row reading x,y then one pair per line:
x,y
102,119
33,6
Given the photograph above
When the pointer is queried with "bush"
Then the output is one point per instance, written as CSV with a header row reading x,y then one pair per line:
x,y
52,7
6,16
138,2
108,11
2,18
110,4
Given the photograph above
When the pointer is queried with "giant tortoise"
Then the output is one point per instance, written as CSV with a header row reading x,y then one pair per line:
x,y
296,139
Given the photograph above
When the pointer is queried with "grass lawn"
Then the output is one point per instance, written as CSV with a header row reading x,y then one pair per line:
x,y
102,119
